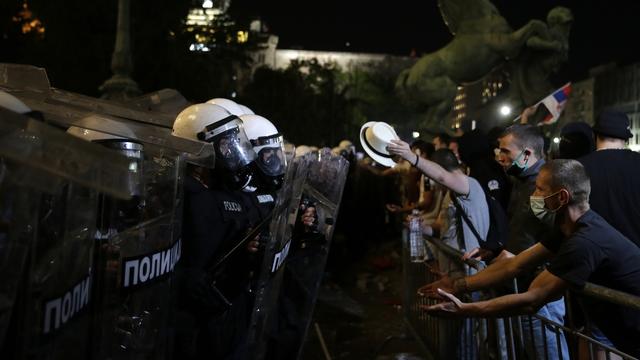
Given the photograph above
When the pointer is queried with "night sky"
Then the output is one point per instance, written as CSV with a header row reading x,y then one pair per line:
x,y
603,31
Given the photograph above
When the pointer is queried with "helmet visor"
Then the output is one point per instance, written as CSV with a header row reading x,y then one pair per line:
x,y
232,147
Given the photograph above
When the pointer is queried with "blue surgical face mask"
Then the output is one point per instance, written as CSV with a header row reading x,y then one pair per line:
x,y
516,169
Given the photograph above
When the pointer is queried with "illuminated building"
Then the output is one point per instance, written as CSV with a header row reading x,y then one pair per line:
x,y
459,107
202,20
476,104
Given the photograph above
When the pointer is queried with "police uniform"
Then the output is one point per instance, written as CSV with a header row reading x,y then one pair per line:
x,y
215,221
232,339
264,202
223,335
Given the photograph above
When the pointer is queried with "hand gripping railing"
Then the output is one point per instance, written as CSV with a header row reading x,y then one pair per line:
x,y
518,337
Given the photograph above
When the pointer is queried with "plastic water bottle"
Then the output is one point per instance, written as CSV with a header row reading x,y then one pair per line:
x,y
416,243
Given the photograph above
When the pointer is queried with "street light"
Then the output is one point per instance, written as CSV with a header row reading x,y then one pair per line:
x,y
415,134
505,110
556,140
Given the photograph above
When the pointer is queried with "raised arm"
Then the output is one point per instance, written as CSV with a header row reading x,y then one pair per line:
x,y
458,183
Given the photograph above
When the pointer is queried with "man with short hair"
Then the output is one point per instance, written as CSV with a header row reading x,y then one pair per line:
x,y
590,250
522,157
614,172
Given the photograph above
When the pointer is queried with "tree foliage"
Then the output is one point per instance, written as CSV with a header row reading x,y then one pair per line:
x,y
319,104
307,101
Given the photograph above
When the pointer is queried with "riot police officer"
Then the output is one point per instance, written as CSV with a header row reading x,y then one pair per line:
x,y
270,164
261,192
217,217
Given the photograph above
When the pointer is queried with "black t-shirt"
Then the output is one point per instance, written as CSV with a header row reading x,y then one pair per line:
x,y
615,190
599,254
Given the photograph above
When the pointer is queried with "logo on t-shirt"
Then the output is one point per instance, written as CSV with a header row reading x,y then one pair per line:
x,y
232,206
265,198
493,185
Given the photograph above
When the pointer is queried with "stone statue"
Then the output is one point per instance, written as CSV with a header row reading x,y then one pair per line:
x,y
530,72
483,40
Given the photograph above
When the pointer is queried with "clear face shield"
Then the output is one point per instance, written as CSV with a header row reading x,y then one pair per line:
x,y
233,150
232,147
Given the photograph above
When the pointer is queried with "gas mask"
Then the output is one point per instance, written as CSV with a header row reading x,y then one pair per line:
x,y
271,161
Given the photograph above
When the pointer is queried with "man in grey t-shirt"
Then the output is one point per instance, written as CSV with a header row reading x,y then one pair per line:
x,y
444,169
474,204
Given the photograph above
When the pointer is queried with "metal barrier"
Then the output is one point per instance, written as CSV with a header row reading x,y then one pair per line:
x,y
494,338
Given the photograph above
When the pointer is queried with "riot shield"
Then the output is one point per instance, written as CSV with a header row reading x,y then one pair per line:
x,y
62,108
167,101
138,247
308,255
48,189
297,261
60,275
267,287
32,83
24,77
17,224
137,239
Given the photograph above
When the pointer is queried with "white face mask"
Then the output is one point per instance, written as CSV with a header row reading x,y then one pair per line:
x,y
545,215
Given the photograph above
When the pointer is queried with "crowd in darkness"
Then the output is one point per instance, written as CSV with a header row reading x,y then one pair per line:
x,y
571,218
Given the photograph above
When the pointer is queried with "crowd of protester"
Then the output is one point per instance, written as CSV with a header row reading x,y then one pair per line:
x,y
572,219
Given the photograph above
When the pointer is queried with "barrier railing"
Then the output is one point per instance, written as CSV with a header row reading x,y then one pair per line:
x,y
518,337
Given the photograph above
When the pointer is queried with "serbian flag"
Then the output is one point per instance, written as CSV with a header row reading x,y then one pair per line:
x,y
555,103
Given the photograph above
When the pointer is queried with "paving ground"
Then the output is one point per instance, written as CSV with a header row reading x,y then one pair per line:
x,y
360,315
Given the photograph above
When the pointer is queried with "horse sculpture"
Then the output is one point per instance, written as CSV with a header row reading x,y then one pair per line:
x,y
483,40
531,71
